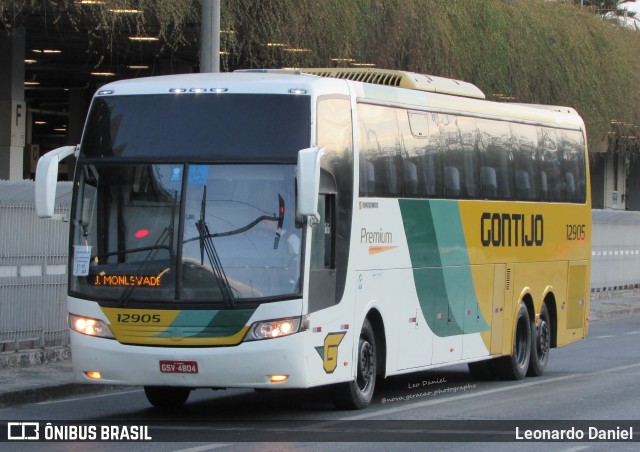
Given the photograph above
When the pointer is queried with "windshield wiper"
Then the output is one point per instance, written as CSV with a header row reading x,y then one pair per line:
x,y
276,239
277,218
206,245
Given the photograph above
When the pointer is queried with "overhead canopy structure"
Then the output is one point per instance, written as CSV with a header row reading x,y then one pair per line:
x,y
66,52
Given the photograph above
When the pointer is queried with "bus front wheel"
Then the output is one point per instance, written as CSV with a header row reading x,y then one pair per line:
x,y
515,367
357,394
167,397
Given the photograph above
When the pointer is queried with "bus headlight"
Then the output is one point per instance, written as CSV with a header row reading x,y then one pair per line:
x,y
270,329
89,326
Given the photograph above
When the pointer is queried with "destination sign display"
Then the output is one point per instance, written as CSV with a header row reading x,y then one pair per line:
x,y
125,280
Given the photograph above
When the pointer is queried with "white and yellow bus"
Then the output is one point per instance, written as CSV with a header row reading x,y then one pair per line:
x,y
270,229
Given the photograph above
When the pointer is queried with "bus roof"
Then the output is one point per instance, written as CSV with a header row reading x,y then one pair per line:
x,y
247,82
384,87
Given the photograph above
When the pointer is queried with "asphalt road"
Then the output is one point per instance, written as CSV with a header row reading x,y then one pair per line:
x,y
594,380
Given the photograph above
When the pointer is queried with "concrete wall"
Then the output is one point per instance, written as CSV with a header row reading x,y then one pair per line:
x,y
615,251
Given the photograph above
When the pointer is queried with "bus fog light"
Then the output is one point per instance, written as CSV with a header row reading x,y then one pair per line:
x,y
94,375
278,378
89,326
274,328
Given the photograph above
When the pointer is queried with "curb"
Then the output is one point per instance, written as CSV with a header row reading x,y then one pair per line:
x,y
48,393
34,357
615,314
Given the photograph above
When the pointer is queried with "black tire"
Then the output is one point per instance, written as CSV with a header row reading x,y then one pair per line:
x,y
540,344
482,370
167,397
357,394
515,367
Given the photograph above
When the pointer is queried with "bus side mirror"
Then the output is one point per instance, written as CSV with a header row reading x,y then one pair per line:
x,y
308,183
47,178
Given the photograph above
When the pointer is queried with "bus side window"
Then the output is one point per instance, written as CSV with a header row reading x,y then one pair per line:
x,y
334,133
410,178
432,172
551,167
420,154
574,174
470,172
367,178
380,161
461,171
544,188
526,165
451,182
496,159
523,185
386,174
489,182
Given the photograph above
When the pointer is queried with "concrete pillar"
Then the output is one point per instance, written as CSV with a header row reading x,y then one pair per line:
x,y
78,106
598,170
13,110
614,179
79,100
210,36
633,189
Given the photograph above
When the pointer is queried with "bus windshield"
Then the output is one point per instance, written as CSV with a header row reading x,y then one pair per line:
x,y
188,233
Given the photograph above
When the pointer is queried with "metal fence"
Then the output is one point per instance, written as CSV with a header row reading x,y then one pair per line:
x,y
615,251
33,265
33,279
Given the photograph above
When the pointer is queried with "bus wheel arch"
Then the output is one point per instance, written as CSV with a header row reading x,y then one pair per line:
x,y
375,319
527,299
369,363
552,309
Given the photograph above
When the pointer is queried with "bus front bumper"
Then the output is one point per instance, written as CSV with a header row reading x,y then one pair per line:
x,y
247,365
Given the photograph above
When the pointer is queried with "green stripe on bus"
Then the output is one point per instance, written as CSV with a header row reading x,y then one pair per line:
x,y
451,243
441,271
208,323
420,232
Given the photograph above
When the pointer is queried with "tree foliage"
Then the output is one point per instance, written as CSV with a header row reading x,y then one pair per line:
x,y
530,51
527,50
168,19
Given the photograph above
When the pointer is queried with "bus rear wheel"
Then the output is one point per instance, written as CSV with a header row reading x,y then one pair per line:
x,y
540,344
357,394
167,397
515,367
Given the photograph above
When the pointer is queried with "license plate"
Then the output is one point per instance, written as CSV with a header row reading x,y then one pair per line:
x,y
178,367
